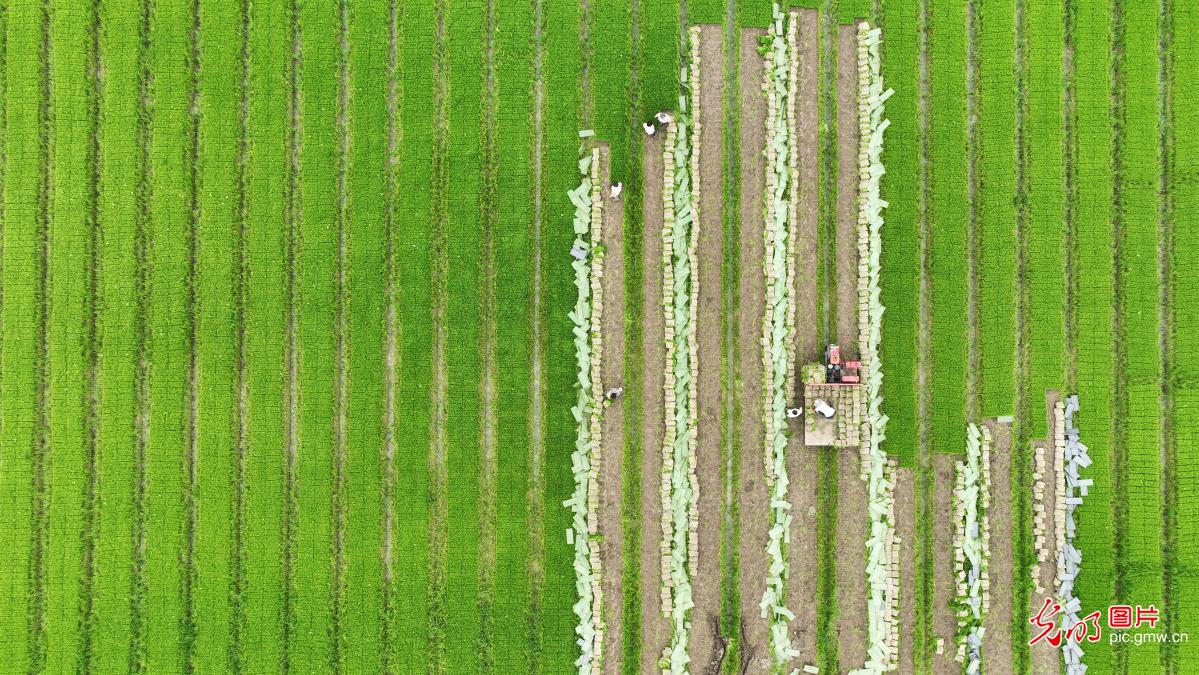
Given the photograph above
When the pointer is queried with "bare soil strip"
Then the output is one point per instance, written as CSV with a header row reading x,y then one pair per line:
x,y
944,624
847,191
1045,658
611,467
708,646
852,515
997,641
803,461
752,500
655,631
905,528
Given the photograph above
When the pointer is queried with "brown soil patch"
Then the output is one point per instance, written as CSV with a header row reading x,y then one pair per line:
x,y
1045,658
655,630
707,645
853,523
847,190
944,581
803,461
611,463
752,499
997,642
905,529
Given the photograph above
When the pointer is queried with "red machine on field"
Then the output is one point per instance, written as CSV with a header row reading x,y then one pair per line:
x,y
838,372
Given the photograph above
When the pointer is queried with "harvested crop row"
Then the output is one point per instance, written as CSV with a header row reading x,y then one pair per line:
x,y
588,341
1070,459
1095,265
882,546
70,346
972,546
413,254
781,221
119,216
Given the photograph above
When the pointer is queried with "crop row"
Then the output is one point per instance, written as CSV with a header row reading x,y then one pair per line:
x,y
1095,265
119,331
70,304
972,546
414,299
996,253
562,64
900,259
1139,427
882,546
584,503
511,638
778,351
949,206
1184,591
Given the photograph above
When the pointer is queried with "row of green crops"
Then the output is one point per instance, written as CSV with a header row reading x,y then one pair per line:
x,y
119,328
949,206
1044,215
269,222
458,254
1139,574
777,325
1183,596
563,108
511,637
995,140
900,255
1096,355
315,293
414,295
69,297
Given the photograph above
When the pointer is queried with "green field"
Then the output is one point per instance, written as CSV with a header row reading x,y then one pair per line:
x,y
286,366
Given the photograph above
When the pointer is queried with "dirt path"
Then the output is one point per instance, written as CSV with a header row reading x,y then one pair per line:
x,y
853,522
944,582
847,192
1046,659
611,466
707,645
655,631
905,529
997,642
752,501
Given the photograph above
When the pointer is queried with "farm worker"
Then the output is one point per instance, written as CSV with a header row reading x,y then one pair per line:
x,y
664,117
793,412
649,128
615,190
612,394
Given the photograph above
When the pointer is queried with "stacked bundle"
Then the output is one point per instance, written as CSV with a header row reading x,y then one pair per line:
x,y
680,484
882,547
1072,457
778,322
972,540
584,502
1039,466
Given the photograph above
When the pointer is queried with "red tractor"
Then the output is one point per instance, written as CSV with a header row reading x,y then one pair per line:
x,y
838,372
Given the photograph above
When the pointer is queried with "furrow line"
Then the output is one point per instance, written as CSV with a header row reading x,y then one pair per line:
x,y
240,379
192,417
341,349
1168,448
973,217
925,478
488,387
390,637
292,217
538,338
